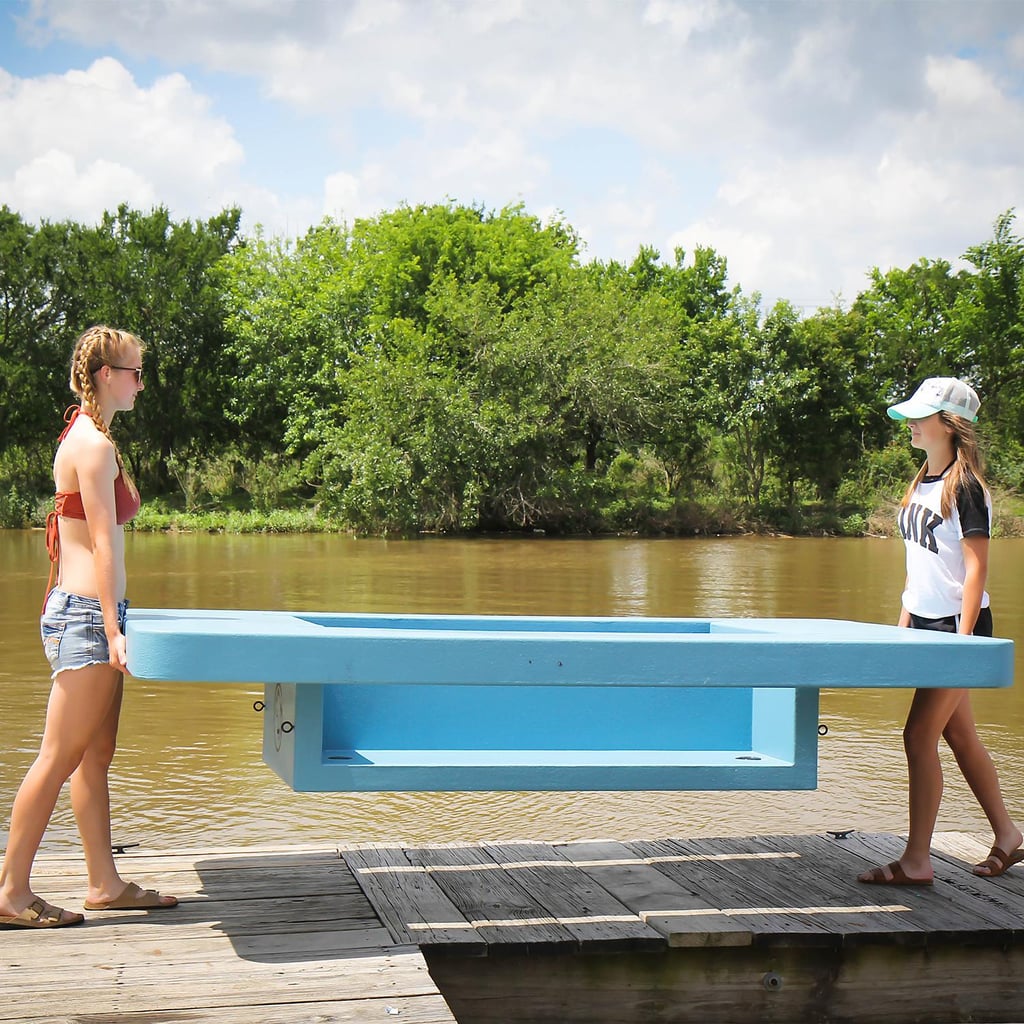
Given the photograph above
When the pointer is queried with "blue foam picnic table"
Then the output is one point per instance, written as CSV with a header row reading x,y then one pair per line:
x,y
358,702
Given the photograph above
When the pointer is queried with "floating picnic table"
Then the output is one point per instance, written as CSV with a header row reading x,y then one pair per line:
x,y
358,702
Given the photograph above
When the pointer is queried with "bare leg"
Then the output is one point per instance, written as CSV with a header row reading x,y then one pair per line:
x,y
975,763
930,711
90,800
80,699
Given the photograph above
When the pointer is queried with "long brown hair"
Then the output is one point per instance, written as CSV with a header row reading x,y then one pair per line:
x,y
967,463
97,347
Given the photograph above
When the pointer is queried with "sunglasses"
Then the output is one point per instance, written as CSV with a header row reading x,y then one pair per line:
x,y
137,370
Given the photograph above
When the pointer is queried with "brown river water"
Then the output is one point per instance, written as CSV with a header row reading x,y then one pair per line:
x,y
189,770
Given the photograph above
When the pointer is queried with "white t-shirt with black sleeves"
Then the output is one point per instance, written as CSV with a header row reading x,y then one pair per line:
x,y
935,559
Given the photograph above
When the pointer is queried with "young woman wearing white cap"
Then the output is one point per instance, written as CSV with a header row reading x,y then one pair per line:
x,y
945,521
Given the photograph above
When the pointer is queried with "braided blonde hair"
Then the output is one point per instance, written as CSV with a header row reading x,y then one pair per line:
x,y
97,347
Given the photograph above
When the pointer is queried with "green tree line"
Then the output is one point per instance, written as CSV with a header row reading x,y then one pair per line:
x,y
450,368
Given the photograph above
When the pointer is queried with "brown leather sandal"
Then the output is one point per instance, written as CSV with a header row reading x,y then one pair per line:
x,y
40,914
134,898
897,876
998,862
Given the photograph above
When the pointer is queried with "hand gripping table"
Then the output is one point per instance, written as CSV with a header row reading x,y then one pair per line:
x,y
461,702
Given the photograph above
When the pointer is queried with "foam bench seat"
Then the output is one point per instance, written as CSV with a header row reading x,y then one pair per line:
x,y
358,702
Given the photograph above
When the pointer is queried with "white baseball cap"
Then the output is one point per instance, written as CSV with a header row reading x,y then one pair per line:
x,y
939,394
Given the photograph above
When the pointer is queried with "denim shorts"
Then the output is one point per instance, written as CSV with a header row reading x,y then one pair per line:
x,y
72,630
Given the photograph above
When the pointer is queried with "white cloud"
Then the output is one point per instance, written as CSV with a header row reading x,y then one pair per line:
x,y
685,17
496,157
482,18
343,194
436,60
373,15
79,143
426,171
971,115
821,62
961,83
842,135
92,184
348,197
779,225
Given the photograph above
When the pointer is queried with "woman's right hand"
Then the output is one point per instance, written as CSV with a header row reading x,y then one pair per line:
x,y
118,652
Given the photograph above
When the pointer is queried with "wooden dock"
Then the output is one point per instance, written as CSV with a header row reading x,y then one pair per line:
x,y
771,929
281,936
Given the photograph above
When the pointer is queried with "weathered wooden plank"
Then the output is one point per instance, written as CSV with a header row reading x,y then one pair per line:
x,y
241,882
963,849
950,910
189,944
961,852
257,912
684,918
575,899
234,920
272,936
409,902
244,882
726,872
283,945
846,858
937,911
250,945
240,879
502,911
180,987
430,1009
186,858
824,875
216,982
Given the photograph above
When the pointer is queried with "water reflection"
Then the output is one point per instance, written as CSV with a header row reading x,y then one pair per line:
x,y
189,771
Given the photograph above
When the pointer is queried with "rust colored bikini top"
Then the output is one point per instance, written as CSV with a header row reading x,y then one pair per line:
x,y
69,503
126,503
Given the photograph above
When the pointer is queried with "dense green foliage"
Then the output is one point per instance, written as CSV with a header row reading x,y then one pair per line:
x,y
449,368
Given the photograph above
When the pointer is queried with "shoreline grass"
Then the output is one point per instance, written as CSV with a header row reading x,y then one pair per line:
x,y
296,520
811,520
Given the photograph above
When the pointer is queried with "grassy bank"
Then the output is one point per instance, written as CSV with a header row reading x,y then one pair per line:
x,y
695,520
814,522
286,520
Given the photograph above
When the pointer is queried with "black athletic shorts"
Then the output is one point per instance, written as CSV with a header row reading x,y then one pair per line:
x,y
951,623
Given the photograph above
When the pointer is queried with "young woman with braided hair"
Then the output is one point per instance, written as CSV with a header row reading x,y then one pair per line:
x,y
945,521
82,627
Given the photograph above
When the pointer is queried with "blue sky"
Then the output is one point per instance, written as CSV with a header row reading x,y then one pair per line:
x,y
805,140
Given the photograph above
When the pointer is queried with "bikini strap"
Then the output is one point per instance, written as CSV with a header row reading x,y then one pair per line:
x,y
52,549
71,414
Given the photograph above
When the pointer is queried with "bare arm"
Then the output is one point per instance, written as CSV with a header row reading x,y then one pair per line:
x,y
97,470
904,619
975,549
